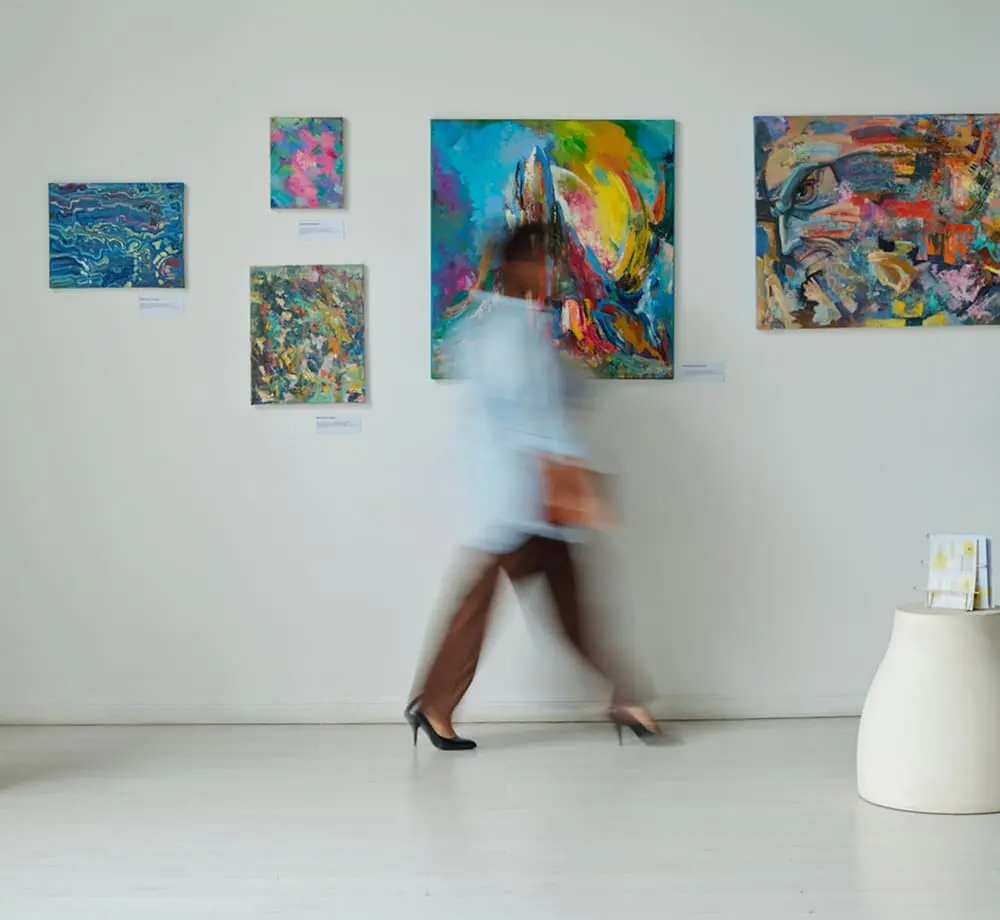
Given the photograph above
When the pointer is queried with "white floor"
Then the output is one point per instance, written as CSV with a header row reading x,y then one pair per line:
x,y
742,821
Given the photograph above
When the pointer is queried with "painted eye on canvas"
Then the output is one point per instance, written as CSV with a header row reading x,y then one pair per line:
x,y
819,184
806,192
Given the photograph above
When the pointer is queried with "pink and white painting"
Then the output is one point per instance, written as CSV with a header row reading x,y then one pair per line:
x,y
307,163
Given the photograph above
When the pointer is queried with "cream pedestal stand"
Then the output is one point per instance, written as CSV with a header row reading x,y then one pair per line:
x,y
929,739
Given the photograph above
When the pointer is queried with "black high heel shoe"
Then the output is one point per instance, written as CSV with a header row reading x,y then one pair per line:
x,y
643,732
419,721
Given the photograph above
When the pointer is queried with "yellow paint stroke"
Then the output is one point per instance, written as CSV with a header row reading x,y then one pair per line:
x,y
892,270
633,266
632,331
938,319
607,144
886,322
610,156
907,310
573,318
613,205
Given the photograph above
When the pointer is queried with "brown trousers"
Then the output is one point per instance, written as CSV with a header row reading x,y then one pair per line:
x,y
453,667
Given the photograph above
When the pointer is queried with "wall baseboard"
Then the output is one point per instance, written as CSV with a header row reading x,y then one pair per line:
x,y
677,708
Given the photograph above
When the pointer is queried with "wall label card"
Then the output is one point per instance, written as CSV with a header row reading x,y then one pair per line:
x,y
701,371
338,424
161,303
322,228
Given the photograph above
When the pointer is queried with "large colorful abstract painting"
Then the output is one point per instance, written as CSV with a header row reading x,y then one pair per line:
x,y
307,163
607,190
116,235
878,221
307,334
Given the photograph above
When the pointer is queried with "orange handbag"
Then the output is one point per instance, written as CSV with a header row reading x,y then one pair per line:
x,y
571,495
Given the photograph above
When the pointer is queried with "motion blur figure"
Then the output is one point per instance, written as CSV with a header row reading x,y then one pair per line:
x,y
532,495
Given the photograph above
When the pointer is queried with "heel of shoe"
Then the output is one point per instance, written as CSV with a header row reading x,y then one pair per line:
x,y
410,714
645,735
453,743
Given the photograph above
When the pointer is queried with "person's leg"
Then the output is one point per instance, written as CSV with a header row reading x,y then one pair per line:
x,y
559,569
454,664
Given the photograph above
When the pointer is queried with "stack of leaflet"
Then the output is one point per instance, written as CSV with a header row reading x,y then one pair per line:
x,y
959,575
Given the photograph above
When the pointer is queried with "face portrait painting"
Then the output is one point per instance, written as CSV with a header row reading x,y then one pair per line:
x,y
877,221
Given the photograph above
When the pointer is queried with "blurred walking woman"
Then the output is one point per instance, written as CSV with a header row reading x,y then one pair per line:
x,y
531,493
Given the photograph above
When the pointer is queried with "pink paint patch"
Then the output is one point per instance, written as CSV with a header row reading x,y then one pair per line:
x,y
455,281
447,189
303,189
328,144
308,138
583,215
980,314
962,284
303,161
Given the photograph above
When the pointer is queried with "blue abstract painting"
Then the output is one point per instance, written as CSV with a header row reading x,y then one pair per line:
x,y
116,235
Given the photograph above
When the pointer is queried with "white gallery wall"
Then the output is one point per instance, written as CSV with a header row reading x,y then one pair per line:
x,y
168,553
